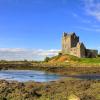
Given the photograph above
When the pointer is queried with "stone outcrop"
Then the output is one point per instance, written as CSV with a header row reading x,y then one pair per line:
x,y
71,45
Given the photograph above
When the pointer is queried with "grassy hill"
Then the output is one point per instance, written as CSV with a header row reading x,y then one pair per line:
x,y
73,59
63,58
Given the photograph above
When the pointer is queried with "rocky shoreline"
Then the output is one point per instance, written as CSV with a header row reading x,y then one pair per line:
x,y
58,90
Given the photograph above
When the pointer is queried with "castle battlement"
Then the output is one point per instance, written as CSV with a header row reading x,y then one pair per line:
x,y
72,45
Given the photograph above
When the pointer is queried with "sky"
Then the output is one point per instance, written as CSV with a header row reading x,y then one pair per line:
x,y
32,29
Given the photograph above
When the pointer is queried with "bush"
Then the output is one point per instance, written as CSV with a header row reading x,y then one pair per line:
x,y
46,59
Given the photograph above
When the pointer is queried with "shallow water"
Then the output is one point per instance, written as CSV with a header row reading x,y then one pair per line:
x,y
28,75
39,76
88,76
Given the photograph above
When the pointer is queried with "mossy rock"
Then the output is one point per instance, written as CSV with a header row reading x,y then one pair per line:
x,y
98,97
73,97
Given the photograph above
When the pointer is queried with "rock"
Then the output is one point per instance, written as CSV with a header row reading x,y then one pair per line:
x,y
73,97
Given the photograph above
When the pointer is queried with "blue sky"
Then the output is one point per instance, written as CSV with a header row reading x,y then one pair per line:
x,y
32,29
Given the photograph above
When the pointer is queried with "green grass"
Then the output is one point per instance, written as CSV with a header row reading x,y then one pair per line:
x,y
85,60
90,60
80,60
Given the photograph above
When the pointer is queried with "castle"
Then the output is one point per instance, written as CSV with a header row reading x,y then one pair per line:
x,y
71,45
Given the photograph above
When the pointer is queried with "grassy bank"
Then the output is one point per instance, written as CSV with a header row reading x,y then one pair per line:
x,y
67,65
62,68
73,59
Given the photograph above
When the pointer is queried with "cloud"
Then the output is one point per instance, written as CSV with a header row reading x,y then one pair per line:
x,y
92,7
47,52
81,19
96,26
29,54
12,50
88,29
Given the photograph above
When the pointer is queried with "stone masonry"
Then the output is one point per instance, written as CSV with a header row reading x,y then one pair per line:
x,y
71,45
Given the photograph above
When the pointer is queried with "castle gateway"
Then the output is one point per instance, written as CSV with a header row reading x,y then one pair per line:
x,y
71,45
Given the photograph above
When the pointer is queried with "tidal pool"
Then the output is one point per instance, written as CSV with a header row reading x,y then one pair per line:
x,y
28,75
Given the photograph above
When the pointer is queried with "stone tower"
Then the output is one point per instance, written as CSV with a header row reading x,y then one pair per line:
x,y
69,41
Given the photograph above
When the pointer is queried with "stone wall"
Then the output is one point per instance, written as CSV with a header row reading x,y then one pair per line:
x,y
74,40
91,53
73,51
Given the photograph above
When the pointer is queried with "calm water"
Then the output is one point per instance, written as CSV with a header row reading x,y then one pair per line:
x,y
38,76
28,75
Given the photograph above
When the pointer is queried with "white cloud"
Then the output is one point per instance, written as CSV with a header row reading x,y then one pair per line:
x,y
92,7
29,54
89,29
47,52
12,50
81,19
